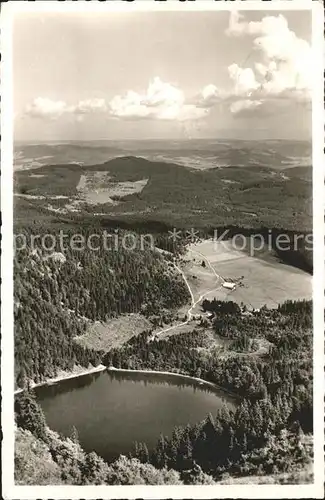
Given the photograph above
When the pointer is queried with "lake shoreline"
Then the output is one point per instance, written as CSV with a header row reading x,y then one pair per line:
x,y
71,375
189,377
101,368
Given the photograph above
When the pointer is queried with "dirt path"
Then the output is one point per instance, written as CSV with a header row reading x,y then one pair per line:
x,y
209,264
194,302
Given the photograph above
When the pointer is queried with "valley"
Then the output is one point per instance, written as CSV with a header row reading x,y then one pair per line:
x,y
133,189
184,304
162,314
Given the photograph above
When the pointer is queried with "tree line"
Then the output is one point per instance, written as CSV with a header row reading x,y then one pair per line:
x,y
57,295
267,433
276,408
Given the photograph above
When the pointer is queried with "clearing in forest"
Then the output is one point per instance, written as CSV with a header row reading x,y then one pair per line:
x,y
98,187
258,282
113,333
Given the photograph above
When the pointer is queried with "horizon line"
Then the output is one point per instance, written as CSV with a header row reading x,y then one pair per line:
x,y
230,139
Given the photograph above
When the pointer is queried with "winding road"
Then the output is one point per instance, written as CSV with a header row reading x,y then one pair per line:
x,y
194,302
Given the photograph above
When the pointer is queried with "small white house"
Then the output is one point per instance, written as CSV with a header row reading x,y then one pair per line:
x,y
229,285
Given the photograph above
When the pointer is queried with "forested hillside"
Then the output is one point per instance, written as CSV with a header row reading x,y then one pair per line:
x,y
275,388
240,199
284,371
44,457
268,433
57,295
264,358
241,196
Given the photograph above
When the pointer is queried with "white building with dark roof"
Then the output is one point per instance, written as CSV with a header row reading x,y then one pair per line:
x,y
229,285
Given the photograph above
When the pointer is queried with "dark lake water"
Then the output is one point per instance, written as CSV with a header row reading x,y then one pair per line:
x,y
112,410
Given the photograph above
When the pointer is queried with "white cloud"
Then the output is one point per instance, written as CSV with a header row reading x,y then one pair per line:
x,y
244,80
209,91
42,107
162,101
249,108
245,106
129,106
209,96
281,73
90,106
286,63
268,25
160,93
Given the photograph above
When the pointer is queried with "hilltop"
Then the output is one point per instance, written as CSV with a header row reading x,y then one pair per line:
x,y
135,188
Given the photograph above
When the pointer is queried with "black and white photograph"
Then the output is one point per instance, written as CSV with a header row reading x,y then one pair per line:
x,y
162,249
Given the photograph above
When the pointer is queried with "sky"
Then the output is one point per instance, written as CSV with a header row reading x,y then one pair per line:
x,y
162,75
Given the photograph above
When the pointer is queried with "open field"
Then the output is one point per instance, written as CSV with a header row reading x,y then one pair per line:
x,y
259,282
150,191
208,265
113,333
96,187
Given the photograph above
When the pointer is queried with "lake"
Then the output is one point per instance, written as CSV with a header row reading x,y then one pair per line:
x,y
112,410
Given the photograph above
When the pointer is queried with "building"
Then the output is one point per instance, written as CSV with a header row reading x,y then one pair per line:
x,y
229,285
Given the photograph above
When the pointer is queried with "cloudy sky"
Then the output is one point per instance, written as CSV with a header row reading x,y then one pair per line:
x,y
176,75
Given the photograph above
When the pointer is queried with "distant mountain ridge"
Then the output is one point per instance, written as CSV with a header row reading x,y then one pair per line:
x,y
200,154
250,196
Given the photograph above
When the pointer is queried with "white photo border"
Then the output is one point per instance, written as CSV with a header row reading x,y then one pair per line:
x,y
12,491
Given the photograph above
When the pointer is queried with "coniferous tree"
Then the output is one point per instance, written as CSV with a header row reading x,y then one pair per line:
x,y
29,414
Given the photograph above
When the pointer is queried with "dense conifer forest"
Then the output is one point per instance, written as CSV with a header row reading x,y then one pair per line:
x,y
268,433
255,197
264,358
57,295
283,375
275,411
